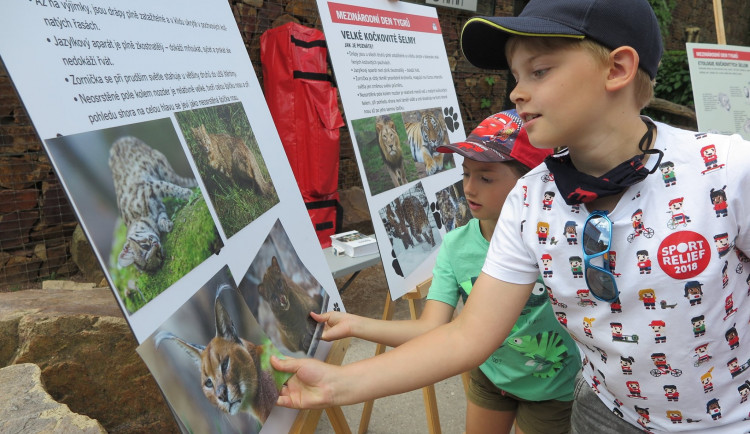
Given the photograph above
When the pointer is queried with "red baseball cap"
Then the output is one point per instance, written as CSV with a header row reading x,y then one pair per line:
x,y
501,137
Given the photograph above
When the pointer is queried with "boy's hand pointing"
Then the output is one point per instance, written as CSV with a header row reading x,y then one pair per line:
x,y
310,386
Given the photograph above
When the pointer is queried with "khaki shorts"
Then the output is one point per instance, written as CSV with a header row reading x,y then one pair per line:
x,y
542,417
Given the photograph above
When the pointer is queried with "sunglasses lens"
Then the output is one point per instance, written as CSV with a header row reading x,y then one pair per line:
x,y
597,235
601,284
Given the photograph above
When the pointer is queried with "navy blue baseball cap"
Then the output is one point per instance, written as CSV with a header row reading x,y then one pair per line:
x,y
612,23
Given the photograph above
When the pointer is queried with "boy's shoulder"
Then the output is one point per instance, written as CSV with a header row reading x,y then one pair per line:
x,y
673,135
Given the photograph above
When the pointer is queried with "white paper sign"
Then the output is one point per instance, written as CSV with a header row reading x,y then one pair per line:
x,y
158,130
400,104
720,75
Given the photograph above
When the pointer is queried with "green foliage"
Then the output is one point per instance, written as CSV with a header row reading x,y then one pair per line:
x,y
663,11
673,79
487,102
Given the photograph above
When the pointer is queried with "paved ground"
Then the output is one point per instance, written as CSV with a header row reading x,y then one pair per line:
x,y
401,413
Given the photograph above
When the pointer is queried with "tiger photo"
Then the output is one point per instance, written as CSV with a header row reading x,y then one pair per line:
x,y
390,149
426,131
411,228
453,207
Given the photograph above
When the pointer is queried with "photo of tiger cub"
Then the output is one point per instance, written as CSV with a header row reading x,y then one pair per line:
x,y
390,149
411,228
426,130
143,178
452,204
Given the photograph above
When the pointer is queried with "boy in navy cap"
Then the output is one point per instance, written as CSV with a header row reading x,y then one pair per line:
x,y
584,69
533,387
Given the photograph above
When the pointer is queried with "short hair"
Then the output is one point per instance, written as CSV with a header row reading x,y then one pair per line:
x,y
643,84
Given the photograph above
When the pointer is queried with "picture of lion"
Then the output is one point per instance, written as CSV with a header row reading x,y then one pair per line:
x,y
390,149
384,153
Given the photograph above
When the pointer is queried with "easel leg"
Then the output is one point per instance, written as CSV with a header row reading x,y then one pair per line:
x,y
428,392
307,420
338,420
364,421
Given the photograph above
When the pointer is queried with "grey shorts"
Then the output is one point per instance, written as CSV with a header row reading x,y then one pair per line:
x,y
590,415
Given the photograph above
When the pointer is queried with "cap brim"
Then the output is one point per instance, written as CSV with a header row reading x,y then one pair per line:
x,y
466,150
483,38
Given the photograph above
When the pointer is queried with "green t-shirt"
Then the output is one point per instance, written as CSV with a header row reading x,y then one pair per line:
x,y
539,360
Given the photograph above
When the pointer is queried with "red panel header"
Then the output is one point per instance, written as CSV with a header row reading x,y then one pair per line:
x,y
707,53
361,16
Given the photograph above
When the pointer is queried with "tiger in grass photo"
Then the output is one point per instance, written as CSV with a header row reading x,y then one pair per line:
x,y
426,132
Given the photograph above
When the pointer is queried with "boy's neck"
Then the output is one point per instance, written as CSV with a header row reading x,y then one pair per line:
x,y
487,227
609,145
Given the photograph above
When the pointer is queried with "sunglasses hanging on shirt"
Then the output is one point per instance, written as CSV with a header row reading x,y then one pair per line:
x,y
597,237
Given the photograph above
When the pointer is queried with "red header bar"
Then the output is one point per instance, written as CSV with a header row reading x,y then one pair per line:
x,y
706,53
361,16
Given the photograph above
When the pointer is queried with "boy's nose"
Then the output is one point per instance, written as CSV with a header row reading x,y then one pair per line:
x,y
518,95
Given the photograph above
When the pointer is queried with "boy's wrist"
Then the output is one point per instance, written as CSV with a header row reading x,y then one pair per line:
x,y
355,325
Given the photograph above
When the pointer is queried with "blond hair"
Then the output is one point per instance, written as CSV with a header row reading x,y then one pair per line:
x,y
643,85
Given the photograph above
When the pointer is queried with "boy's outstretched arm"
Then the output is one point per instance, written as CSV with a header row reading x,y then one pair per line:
x,y
391,333
448,350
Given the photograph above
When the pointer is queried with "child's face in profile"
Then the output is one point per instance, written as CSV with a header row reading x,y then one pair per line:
x,y
486,185
559,89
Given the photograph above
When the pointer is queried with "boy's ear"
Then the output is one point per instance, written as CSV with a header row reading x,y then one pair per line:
x,y
623,66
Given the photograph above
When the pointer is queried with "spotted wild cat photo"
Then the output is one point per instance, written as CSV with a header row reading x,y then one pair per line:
x,y
139,205
230,163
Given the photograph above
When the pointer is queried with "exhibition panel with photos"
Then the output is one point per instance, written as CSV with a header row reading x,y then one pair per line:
x,y
159,132
397,91
720,76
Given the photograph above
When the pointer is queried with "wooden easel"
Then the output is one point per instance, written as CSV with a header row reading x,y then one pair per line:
x,y
307,420
428,392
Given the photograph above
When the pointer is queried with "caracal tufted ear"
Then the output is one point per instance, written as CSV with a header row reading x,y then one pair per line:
x,y
192,350
224,326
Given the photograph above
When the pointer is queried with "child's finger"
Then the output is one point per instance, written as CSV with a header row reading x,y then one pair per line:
x,y
290,364
320,317
284,401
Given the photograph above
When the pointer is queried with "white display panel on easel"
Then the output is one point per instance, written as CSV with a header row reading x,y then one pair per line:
x,y
157,128
397,91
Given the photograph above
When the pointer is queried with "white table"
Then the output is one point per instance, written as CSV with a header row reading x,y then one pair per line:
x,y
344,265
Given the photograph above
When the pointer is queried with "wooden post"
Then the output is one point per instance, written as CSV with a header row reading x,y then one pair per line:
x,y
721,36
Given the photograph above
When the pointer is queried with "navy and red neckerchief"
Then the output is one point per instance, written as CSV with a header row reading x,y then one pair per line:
x,y
577,187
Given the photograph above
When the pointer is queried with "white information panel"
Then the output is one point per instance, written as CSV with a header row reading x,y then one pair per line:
x,y
720,75
157,127
400,103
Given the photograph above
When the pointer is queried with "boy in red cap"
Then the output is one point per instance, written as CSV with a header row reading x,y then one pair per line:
x,y
533,386
584,69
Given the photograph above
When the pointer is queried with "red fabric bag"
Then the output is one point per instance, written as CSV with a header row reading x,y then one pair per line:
x,y
304,105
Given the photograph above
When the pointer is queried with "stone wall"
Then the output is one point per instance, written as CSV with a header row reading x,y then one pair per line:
x,y
37,222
